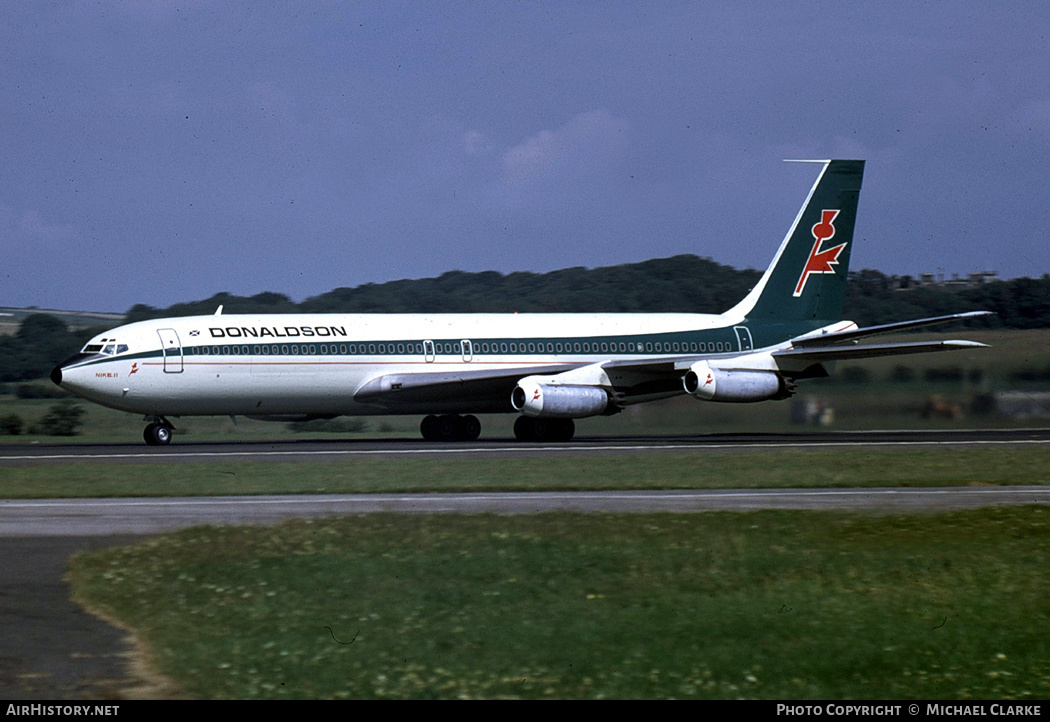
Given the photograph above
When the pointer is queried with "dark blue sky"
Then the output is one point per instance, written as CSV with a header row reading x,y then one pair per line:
x,y
156,152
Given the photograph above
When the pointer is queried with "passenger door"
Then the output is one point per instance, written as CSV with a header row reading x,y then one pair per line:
x,y
172,348
743,337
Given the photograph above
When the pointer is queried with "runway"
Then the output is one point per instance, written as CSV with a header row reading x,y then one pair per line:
x,y
19,454
97,517
52,518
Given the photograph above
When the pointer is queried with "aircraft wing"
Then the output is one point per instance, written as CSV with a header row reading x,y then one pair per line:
x,y
843,344
832,353
489,389
810,353
476,390
824,339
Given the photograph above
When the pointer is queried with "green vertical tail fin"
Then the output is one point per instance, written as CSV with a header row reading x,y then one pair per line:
x,y
807,278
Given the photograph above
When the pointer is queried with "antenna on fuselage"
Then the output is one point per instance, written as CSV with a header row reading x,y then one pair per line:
x,y
218,311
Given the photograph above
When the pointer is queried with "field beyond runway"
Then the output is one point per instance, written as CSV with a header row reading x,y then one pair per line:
x,y
766,604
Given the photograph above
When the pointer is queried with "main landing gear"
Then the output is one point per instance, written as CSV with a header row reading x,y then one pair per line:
x,y
159,431
528,428
450,427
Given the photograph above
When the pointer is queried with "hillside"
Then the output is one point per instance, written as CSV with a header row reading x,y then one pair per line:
x,y
36,340
12,318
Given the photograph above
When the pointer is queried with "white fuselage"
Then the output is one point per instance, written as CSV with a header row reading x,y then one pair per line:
x,y
313,364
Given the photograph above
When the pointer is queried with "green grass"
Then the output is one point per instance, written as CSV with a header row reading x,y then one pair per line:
x,y
771,605
776,468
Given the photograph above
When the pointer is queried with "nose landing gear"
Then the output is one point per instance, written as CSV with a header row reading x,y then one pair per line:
x,y
158,433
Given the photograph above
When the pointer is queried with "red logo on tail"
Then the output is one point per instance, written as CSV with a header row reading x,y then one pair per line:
x,y
821,261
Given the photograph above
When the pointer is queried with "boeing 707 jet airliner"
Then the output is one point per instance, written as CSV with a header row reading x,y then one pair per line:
x,y
548,369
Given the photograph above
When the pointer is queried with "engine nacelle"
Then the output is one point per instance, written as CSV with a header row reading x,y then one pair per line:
x,y
556,401
711,384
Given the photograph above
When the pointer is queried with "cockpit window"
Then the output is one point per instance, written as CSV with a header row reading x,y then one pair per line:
x,y
108,349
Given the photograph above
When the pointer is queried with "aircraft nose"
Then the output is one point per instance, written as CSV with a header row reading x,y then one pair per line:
x,y
56,373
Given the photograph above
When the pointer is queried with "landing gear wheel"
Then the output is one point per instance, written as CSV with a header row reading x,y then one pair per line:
x,y
428,427
523,429
566,430
446,428
469,428
527,428
157,434
450,427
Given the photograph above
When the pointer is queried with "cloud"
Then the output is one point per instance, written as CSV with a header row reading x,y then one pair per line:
x,y
589,142
474,142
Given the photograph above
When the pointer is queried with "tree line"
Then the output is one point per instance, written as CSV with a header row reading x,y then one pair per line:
x,y
687,284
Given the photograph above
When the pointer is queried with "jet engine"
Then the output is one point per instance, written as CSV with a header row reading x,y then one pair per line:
x,y
711,384
557,401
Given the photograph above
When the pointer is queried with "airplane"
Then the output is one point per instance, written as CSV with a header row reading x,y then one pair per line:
x,y
547,368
